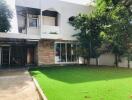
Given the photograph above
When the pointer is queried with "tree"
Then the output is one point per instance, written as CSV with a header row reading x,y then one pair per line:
x,y
5,16
106,4
118,28
89,36
104,30
126,3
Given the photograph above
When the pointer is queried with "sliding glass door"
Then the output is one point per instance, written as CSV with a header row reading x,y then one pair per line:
x,y
63,52
66,52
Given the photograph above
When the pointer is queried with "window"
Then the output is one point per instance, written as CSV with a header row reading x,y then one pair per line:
x,y
33,21
66,52
47,20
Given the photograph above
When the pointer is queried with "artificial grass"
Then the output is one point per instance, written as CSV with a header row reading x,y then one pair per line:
x,y
85,83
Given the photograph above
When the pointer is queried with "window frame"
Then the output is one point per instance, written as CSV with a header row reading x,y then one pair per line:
x,y
66,62
32,17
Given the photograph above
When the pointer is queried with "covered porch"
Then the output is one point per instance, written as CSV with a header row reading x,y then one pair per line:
x,y
16,53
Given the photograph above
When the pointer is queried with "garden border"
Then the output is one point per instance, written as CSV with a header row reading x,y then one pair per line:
x,y
41,93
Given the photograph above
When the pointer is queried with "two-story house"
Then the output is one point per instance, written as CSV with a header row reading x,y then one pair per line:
x,y
40,33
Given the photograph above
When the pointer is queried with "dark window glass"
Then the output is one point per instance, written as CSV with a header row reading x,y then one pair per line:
x,y
33,22
69,52
63,52
66,52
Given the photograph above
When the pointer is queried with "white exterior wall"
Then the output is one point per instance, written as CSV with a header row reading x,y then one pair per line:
x,y
124,63
13,33
28,3
105,59
65,10
109,59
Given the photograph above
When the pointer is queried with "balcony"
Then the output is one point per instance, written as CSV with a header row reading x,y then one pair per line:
x,y
32,21
50,32
46,29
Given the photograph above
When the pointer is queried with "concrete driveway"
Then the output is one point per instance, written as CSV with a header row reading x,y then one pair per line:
x,y
17,85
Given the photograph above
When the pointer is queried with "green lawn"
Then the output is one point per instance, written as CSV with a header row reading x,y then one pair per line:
x,y
85,83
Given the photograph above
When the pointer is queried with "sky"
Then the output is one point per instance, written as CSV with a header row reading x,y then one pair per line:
x,y
83,2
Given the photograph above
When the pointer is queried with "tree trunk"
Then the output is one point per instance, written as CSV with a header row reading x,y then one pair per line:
x,y
84,61
88,61
97,61
128,61
116,60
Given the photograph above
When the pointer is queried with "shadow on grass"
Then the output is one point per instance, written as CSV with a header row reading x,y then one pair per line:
x,y
80,74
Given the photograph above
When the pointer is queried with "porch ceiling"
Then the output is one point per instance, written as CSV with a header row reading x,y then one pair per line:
x,y
17,41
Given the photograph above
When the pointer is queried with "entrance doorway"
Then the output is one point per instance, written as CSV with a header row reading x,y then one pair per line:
x,y
17,56
5,56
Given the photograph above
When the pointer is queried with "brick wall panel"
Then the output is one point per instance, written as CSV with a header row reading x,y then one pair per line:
x,y
46,52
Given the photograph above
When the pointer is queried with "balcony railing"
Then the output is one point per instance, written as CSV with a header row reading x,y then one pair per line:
x,y
50,29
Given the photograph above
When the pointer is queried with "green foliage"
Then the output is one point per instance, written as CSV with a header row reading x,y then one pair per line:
x,y
103,4
109,28
5,16
106,4
53,33
119,32
89,36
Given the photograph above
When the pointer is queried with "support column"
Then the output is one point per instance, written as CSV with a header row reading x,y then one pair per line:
x,y
0,55
41,21
9,57
30,56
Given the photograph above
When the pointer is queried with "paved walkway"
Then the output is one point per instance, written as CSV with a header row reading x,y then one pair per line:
x,y
17,85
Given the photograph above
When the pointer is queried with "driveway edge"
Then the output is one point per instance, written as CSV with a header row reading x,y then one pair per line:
x,y
39,89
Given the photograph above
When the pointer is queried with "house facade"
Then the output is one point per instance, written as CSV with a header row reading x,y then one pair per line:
x,y
40,33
